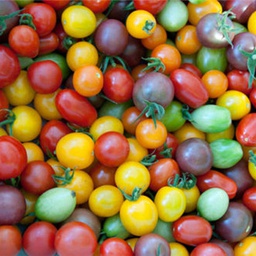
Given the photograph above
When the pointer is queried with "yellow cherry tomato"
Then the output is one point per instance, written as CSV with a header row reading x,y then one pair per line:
x,y
132,242
80,54
3,131
27,123
130,175
251,23
178,249
140,24
170,203
105,201
75,150
45,105
105,124
20,91
236,102
137,152
78,21
246,247
139,215
226,134
34,152
80,182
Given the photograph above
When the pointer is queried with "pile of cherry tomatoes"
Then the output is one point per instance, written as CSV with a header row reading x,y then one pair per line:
x,y
127,127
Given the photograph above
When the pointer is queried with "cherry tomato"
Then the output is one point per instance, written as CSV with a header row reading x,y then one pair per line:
x,y
4,105
140,24
151,6
44,17
57,5
9,65
81,239
115,246
105,201
207,249
132,174
24,40
98,6
48,43
249,198
34,152
10,240
192,230
13,157
178,249
75,17
136,152
20,91
45,76
250,22
75,150
246,247
39,238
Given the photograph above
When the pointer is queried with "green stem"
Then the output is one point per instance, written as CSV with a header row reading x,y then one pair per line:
x,y
134,196
9,120
154,63
27,19
186,180
66,178
3,19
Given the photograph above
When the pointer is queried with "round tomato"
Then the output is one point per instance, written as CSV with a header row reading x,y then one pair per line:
x,y
132,174
140,24
246,247
75,238
140,216
105,201
34,152
78,21
136,152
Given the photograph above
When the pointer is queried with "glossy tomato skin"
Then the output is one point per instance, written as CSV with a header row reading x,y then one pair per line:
x,y
208,249
31,177
4,104
39,237
215,178
75,108
249,198
9,65
115,246
44,17
50,134
245,131
48,43
118,85
189,88
151,6
192,230
13,157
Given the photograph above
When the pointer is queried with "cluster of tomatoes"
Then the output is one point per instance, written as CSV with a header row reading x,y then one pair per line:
x,y
127,127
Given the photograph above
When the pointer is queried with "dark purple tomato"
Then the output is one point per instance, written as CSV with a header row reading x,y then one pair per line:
x,y
215,30
118,10
242,9
150,245
194,156
242,42
235,224
240,174
6,8
12,205
153,87
111,37
133,52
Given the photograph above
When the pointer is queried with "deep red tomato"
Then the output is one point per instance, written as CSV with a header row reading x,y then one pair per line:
x,y
238,80
48,43
4,104
44,17
75,108
75,238
189,88
50,134
111,148
192,230
10,240
208,249
13,157
249,198
151,6
98,6
192,68
245,130
9,66
161,171
24,40
45,76
36,178
115,246
38,238
213,179
118,84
